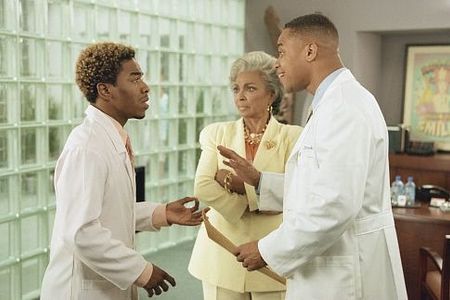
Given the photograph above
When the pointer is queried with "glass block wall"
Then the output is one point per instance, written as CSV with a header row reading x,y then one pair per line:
x,y
185,49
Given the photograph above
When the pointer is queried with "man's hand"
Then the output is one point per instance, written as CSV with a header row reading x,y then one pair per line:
x,y
178,213
241,166
250,257
157,282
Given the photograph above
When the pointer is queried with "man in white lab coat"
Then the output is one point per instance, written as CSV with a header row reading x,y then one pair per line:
x,y
337,239
92,252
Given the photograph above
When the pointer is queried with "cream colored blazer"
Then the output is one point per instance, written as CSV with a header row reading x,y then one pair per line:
x,y
92,252
229,213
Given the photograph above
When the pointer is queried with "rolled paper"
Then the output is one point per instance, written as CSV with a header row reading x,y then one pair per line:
x,y
223,241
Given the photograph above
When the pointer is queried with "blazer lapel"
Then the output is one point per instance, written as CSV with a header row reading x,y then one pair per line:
x,y
236,137
269,145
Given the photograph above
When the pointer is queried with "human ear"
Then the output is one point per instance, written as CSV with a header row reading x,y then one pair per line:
x,y
104,91
311,51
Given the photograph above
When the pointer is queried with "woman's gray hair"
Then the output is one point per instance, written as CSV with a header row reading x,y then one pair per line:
x,y
265,64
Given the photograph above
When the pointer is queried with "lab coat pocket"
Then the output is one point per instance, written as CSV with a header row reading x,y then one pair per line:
x,y
306,156
100,289
339,279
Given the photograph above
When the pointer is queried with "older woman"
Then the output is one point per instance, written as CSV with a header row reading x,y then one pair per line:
x,y
267,144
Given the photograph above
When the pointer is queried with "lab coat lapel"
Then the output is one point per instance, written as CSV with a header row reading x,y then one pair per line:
x,y
99,117
343,76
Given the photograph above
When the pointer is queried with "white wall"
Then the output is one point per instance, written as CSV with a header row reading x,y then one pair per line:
x,y
369,31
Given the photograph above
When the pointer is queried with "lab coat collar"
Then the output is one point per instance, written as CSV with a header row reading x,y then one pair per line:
x,y
343,75
104,120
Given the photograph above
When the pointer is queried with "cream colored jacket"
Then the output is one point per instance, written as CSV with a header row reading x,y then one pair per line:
x,y
229,212
92,252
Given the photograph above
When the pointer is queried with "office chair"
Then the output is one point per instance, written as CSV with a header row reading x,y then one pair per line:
x,y
434,284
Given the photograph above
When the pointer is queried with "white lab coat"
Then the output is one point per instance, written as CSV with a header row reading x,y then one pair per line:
x,y
92,252
337,239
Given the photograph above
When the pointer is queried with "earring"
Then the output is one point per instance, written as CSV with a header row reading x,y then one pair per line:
x,y
269,109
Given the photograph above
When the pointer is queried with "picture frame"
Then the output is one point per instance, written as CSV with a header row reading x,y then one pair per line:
x,y
426,110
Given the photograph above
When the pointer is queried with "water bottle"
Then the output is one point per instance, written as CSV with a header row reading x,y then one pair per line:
x,y
410,191
397,191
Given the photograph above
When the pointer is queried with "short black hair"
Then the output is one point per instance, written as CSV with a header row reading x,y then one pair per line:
x,y
100,63
313,24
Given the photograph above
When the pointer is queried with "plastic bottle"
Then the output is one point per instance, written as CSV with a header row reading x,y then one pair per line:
x,y
410,192
397,191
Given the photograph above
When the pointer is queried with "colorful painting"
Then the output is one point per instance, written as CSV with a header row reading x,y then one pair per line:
x,y
427,94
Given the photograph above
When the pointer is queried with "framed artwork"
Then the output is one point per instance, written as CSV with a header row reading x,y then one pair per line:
x,y
427,94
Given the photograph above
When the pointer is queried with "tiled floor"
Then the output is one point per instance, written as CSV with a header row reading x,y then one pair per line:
x,y
175,261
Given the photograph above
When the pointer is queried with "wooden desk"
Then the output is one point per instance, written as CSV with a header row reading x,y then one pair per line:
x,y
425,169
419,227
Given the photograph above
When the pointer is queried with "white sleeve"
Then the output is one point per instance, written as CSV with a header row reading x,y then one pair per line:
x,y
271,191
144,216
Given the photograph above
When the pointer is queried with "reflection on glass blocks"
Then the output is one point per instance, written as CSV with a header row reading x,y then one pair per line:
x,y
126,28
163,165
185,49
28,103
31,275
56,139
6,280
183,129
55,101
50,187
84,14
4,161
29,197
57,54
200,104
29,227
57,13
164,72
31,58
8,55
28,146
5,246
3,106
164,133
29,20
184,162
4,197
104,22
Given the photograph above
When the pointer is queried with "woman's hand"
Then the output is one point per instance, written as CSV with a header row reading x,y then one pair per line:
x,y
220,176
237,184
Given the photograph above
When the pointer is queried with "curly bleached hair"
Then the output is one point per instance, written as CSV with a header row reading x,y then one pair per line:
x,y
100,63
265,64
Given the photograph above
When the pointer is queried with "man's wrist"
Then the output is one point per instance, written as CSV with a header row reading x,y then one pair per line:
x,y
258,184
145,276
257,180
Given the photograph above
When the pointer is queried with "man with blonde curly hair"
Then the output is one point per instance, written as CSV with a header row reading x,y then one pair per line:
x,y
92,249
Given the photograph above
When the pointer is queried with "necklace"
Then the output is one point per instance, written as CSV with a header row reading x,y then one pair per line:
x,y
253,138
